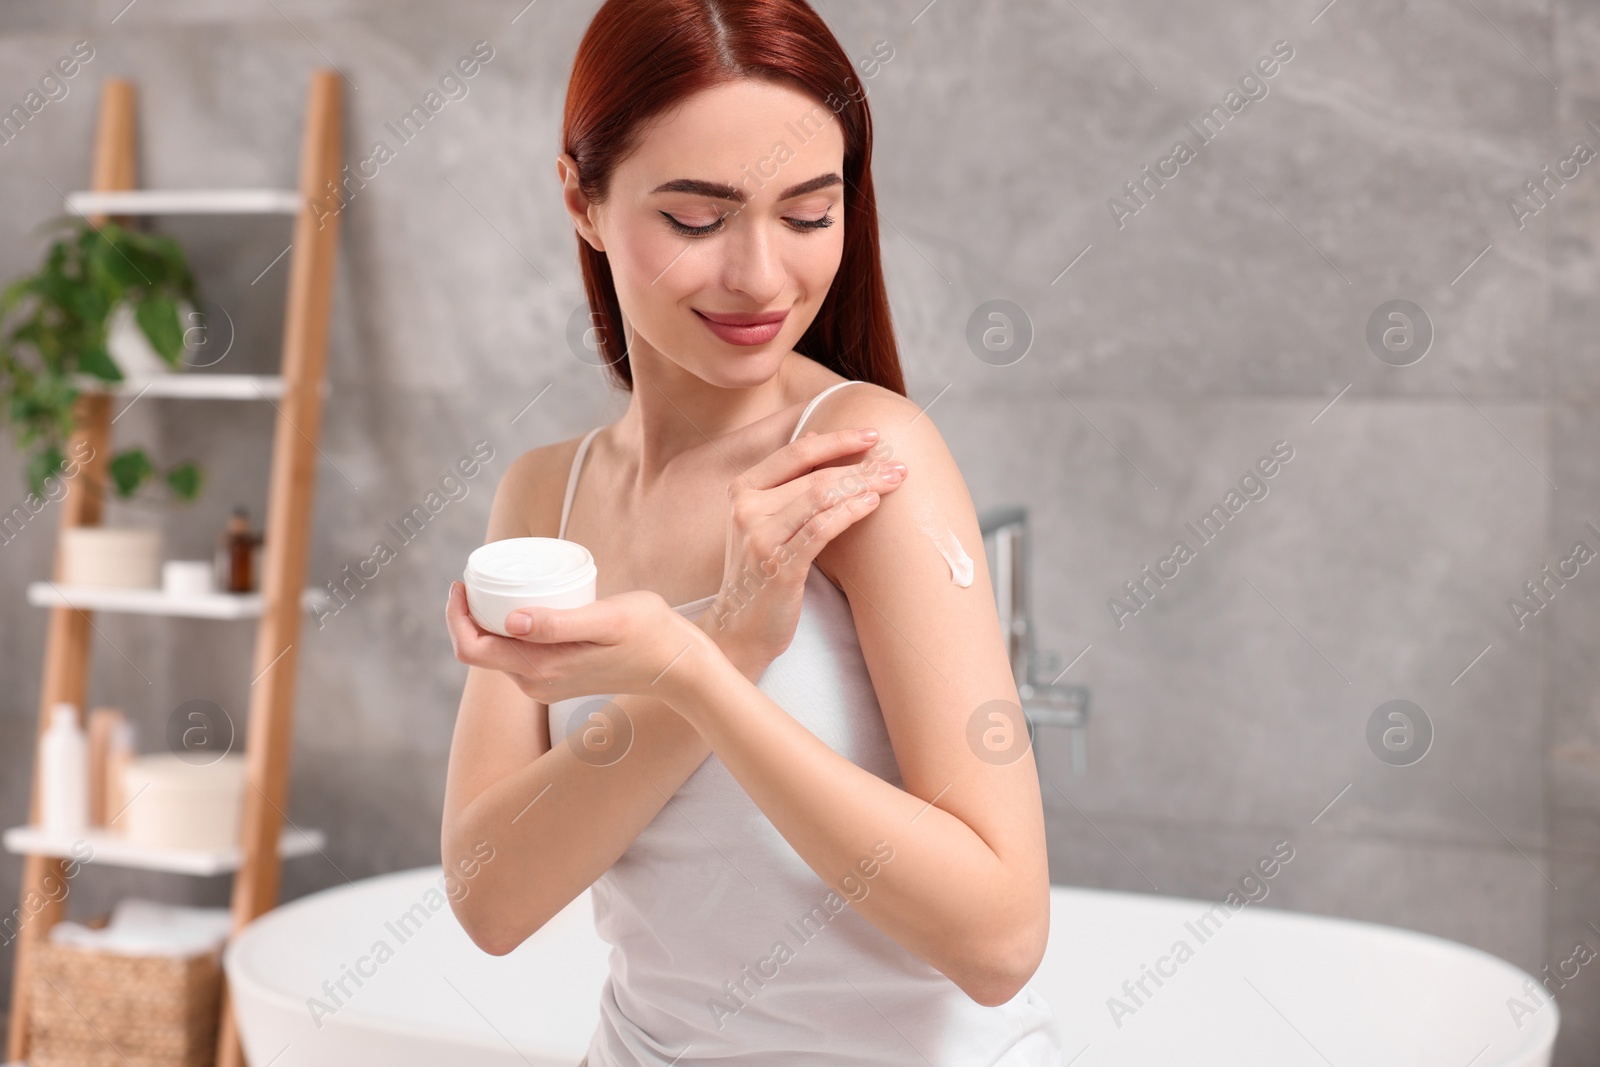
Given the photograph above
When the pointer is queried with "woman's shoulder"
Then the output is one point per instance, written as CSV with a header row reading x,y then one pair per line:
x,y
906,433
533,487
863,400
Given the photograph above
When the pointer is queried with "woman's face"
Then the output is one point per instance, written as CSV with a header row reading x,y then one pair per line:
x,y
683,251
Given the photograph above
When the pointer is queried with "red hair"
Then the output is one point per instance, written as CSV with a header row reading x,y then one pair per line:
x,y
640,58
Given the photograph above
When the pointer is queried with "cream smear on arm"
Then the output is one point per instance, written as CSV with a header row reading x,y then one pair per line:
x,y
945,541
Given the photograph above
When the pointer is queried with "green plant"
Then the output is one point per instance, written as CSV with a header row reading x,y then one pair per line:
x,y
53,326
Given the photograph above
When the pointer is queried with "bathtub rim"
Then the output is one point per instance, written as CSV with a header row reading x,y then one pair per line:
x,y
369,1021
1540,1035
1435,944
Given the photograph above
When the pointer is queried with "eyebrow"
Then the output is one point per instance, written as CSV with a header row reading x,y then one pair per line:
x,y
723,191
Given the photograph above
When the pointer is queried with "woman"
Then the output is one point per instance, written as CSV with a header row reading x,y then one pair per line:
x,y
808,809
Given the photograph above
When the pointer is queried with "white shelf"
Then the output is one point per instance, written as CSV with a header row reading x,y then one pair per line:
x,y
111,849
186,202
160,602
189,386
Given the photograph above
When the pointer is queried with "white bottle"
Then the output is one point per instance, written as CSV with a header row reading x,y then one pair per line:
x,y
64,768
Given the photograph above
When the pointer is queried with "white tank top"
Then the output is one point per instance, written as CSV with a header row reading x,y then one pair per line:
x,y
727,948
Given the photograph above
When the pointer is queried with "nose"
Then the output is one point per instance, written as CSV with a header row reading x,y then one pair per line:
x,y
754,265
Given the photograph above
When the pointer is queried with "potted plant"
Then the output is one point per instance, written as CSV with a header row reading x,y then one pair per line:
x,y
58,327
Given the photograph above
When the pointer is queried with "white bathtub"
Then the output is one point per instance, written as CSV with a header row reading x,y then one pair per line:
x,y
1264,986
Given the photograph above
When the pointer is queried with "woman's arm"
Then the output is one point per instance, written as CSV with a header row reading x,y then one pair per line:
x,y
967,888
528,827
549,822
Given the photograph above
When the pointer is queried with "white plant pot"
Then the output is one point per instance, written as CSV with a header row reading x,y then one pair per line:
x,y
121,557
131,349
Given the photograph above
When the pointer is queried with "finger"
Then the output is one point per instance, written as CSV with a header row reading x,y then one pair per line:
x,y
464,626
478,647
825,525
593,622
473,644
457,614
827,487
802,455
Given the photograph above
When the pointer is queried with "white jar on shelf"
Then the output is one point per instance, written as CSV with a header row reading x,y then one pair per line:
x,y
121,557
171,802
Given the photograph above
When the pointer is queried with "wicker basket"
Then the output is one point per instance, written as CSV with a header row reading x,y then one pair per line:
x,y
103,1009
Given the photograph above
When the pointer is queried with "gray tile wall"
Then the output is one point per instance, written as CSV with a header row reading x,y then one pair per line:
x,y
1228,313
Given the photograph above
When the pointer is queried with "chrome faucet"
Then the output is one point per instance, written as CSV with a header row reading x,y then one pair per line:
x,y
1043,703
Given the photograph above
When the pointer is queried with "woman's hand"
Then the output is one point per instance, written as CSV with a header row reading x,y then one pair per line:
x,y
781,513
627,643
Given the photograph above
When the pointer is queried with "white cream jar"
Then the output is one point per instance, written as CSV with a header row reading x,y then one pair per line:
x,y
183,804
526,572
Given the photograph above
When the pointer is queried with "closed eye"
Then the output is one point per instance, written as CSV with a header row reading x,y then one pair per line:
x,y
803,225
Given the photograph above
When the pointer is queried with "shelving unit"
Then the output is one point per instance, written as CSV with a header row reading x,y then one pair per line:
x,y
297,392
160,602
115,851
191,386
186,202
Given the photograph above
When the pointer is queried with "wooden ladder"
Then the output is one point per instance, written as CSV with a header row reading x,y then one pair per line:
x,y
299,393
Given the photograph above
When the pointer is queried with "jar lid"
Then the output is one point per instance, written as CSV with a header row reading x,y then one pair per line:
x,y
167,770
531,566
112,535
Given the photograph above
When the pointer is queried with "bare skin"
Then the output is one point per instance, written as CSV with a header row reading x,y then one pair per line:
x,y
692,484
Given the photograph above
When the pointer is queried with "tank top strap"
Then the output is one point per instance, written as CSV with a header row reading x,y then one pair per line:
x,y
806,414
572,478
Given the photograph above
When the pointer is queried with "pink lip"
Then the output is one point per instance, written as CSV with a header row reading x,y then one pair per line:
x,y
746,320
745,329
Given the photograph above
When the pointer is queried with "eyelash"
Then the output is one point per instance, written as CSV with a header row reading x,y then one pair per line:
x,y
710,228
